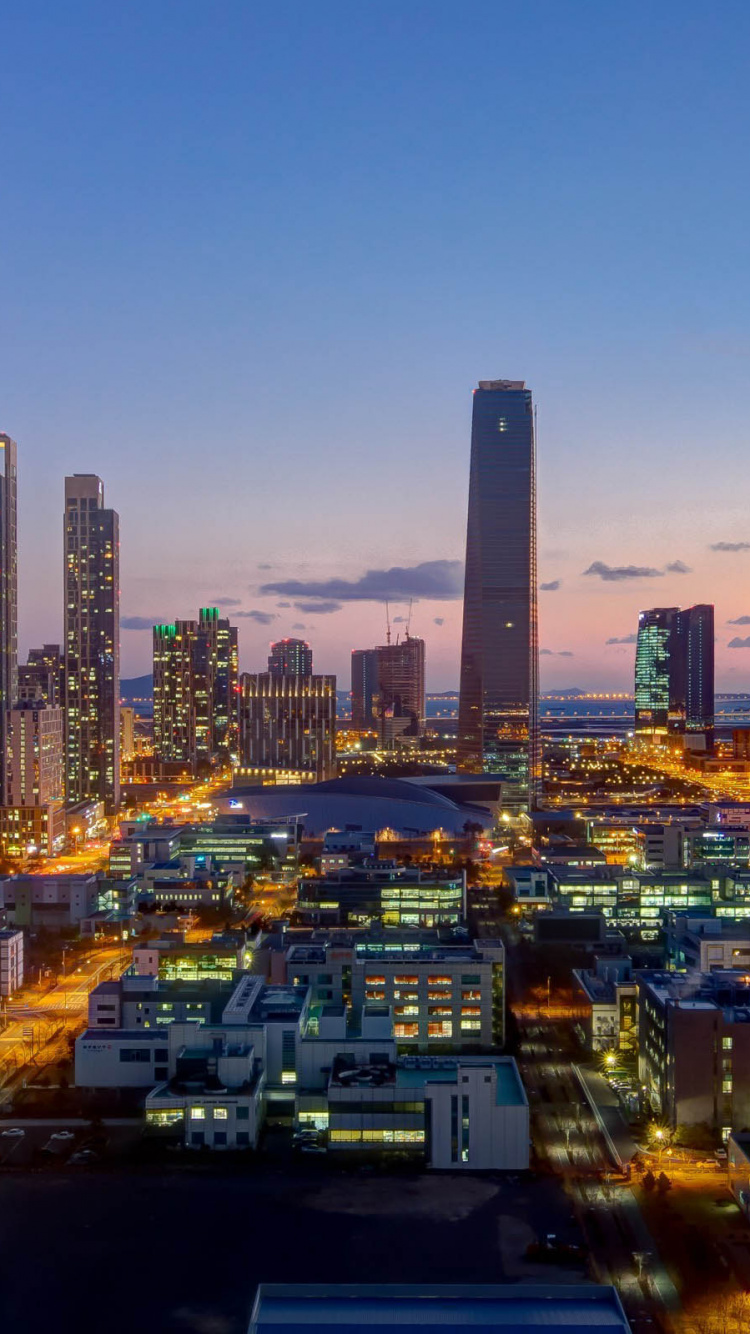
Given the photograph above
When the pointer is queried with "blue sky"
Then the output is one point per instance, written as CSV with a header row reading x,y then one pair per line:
x,y
255,257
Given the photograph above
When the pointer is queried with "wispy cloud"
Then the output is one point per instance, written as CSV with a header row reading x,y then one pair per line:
x,y
299,626
551,587
740,620
622,639
556,653
283,604
225,602
730,546
438,620
262,565
138,622
616,573
438,579
678,567
262,617
321,608
739,643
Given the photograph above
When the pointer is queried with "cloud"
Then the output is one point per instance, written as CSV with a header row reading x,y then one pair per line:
x,y
678,567
299,626
262,617
553,653
565,653
138,622
438,579
740,620
551,587
730,546
225,602
283,604
622,639
438,620
399,620
739,643
263,566
616,573
319,608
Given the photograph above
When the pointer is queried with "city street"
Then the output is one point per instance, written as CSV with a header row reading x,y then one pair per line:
x,y
33,1018
565,1133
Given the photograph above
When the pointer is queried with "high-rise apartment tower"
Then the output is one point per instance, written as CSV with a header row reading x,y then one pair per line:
x,y
92,643
195,688
498,724
290,657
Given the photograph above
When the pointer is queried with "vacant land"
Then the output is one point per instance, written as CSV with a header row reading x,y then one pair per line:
x,y
183,1249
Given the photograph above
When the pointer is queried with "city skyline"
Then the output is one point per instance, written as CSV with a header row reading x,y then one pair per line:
x,y
140,325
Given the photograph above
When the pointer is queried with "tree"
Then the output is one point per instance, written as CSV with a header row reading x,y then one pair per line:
x,y
649,1181
663,1183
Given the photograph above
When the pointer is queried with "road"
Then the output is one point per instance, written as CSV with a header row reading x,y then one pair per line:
x,y
566,1135
34,1018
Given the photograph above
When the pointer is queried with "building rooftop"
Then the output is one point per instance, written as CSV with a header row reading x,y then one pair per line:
x,y
517,1308
415,1071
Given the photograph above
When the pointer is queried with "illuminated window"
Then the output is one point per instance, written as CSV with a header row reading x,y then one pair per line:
x,y
406,1030
220,1113
288,1077
726,1044
441,1028
198,1113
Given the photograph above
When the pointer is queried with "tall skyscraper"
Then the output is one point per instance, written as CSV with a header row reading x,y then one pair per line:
x,y
42,677
364,689
195,688
290,657
388,689
674,672
92,643
498,708
36,774
8,593
288,723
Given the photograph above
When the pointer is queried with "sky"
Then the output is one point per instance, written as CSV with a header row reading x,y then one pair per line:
x,y
254,258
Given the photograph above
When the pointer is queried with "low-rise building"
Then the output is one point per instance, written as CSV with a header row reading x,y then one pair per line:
x,y
55,902
694,1047
738,1164
455,1112
11,961
604,999
382,892
706,943
214,1099
418,1309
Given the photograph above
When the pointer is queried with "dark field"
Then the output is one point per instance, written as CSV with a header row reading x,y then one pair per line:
x,y
183,1249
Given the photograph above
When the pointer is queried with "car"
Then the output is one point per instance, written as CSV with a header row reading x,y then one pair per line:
x,y
720,1154
15,1132
84,1156
63,1136
313,1148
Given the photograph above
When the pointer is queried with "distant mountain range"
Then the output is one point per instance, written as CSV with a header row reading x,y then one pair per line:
x,y
137,687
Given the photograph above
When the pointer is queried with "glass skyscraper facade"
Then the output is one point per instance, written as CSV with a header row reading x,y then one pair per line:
x,y
498,709
674,672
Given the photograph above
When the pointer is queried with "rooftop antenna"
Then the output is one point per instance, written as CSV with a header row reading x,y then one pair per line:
x,y
387,623
408,619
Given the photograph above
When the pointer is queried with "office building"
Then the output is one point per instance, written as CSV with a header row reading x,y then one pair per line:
x,y
694,1047
535,1308
195,688
92,643
443,996
290,657
42,677
288,722
381,892
674,674
497,725
457,1113
8,592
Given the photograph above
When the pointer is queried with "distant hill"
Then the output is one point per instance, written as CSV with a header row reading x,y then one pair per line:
x,y
137,687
